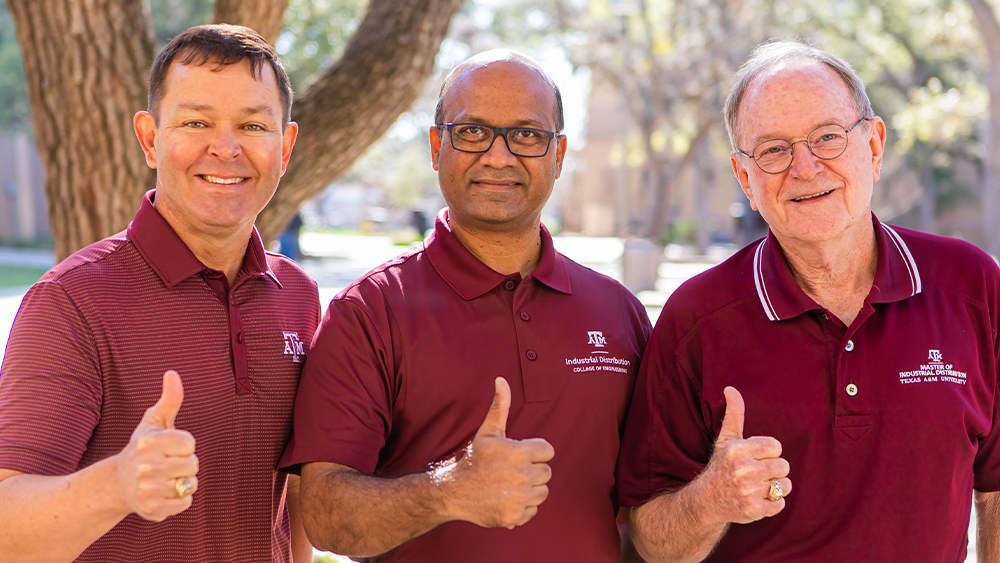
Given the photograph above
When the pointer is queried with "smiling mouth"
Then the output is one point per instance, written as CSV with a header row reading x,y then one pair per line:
x,y
222,181
821,194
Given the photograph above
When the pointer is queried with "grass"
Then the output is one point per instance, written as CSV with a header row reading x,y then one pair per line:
x,y
16,276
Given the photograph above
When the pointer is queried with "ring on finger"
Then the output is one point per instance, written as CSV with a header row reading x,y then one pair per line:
x,y
183,487
777,492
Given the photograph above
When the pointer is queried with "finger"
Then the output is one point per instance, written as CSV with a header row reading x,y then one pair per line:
x,y
496,419
177,467
163,413
775,468
762,447
537,495
732,421
540,473
526,516
168,443
538,450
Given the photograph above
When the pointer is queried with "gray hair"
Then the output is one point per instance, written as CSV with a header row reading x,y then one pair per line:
x,y
768,55
494,55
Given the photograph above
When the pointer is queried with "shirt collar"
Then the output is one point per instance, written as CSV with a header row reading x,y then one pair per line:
x,y
171,259
896,275
470,278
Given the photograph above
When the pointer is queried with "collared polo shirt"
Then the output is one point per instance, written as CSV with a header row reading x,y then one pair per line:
x,y
401,375
887,424
86,358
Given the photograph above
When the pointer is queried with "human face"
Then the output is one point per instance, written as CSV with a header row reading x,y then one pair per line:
x,y
218,147
497,190
814,201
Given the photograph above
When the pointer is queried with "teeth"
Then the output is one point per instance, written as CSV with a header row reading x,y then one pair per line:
x,y
217,180
811,196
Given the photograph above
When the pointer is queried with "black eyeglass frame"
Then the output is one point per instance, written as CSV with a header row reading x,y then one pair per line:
x,y
500,132
791,153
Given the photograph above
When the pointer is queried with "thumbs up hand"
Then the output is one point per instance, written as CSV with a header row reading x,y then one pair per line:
x,y
737,479
157,457
501,482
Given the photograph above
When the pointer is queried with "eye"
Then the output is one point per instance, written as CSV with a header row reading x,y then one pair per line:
x,y
525,136
194,125
254,127
471,132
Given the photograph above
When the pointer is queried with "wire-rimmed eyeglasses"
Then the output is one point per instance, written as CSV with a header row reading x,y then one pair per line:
x,y
478,138
826,142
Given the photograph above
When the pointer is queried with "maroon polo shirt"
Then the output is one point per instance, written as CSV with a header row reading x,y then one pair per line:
x,y
401,375
86,357
887,425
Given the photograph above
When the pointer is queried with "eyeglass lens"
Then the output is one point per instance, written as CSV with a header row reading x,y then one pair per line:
x,y
478,138
826,142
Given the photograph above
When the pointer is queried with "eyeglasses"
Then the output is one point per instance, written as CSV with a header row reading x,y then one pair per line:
x,y
478,138
827,142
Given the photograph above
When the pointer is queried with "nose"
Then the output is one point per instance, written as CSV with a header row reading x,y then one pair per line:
x,y
805,165
498,155
224,143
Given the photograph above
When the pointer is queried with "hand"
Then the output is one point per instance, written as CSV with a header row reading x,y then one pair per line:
x,y
502,481
735,484
156,456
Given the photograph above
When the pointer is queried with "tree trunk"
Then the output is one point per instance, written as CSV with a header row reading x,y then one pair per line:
x,y
265,17
85,64
989,30
354,102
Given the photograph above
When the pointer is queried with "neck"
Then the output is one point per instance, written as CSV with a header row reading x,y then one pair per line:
x,y
505,251
837,274
222,250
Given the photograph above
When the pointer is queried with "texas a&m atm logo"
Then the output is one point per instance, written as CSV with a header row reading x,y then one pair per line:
x,y
294,346
596,338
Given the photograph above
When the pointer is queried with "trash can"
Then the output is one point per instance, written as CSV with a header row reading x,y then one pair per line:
x,y
640,261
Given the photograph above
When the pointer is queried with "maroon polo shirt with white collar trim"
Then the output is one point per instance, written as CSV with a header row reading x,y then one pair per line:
x,y
887,425
401,375
86,357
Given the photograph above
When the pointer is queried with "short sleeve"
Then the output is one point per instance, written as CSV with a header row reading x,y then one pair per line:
x,y
667,441
987,464
343,409
50,385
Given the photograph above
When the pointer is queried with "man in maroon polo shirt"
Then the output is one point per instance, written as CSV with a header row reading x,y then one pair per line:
x,y
402,456
857,360
147,388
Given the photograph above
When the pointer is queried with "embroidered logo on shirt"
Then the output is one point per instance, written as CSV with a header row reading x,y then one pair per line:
x,y
293,346
934,370
596,338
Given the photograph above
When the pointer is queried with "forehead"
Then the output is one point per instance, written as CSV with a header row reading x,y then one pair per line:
x,y
501,93
792,99
210,82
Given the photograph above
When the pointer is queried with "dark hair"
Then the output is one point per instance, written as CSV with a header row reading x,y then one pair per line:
x,y
223,45
768,55
494,55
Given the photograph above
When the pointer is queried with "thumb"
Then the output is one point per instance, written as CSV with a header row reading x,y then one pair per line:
x,y
732,421
496,419
163,413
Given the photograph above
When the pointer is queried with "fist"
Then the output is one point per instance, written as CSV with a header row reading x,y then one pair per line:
x,y
502,482
156,456
737,480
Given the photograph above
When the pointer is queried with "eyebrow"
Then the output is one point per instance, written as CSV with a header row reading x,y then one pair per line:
x,y
776,137
519,123
250,110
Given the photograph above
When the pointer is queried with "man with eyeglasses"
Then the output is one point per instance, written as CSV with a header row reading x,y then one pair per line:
x,y
402,455
857,360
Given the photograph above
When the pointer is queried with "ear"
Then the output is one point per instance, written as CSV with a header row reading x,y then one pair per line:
x,y
560,153
435,139
876,142
145,131
743,177
287,142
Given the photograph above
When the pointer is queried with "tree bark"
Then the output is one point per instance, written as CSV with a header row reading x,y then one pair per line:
x,y
265,17
989,30
382,72
85,64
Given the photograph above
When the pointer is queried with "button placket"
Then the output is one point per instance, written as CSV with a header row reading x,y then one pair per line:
x,y
852,393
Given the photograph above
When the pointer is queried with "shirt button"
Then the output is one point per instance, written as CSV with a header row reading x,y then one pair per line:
x,y
850,346
825,316
531,355
525,317
852,389
509,285
239,337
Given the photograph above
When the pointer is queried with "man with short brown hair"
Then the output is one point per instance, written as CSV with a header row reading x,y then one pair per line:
x,y
147,389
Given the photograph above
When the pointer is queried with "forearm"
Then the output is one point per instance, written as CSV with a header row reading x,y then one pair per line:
x,y
55,518
302,549
672,528
987,527
348,512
